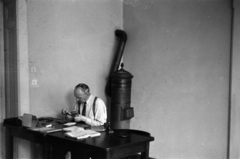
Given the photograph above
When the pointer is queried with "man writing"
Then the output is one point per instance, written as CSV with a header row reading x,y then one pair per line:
x,y
88,108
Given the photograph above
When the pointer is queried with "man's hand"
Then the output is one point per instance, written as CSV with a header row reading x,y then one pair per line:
x,y
69,117
79,117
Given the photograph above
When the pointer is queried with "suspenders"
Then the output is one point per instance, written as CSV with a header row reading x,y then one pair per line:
x,y
94,105
93,108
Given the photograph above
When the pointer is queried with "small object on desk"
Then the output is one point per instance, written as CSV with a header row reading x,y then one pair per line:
x,y
97,128
29,120
108,129
48,125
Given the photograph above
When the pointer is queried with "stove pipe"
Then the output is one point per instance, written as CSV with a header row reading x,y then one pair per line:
x,y
119,89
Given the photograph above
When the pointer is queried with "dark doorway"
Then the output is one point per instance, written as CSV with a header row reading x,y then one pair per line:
x,y
9,72
10,58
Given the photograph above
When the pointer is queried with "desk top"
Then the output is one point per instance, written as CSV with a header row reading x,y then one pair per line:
x,y
119,138
115,140
116,145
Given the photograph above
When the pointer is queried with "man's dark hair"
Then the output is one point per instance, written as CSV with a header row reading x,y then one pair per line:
x,y
83,87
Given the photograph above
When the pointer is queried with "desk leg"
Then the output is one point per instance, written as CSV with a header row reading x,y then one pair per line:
x,y
145,155
9,144
47,151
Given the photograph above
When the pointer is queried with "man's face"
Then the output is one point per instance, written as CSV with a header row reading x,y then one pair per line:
x,y
80,95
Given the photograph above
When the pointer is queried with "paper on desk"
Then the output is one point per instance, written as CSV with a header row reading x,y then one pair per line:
x,y
70,124
82,134
46,130
73,128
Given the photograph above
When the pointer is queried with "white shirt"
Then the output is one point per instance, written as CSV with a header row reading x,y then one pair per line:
x,y
100,111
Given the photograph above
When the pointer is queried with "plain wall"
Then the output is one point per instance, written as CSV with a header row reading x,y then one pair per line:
x,y
235,85
70,42
2,97
179,55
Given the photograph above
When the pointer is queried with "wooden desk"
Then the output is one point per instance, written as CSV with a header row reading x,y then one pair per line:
x,y
14,129
107,146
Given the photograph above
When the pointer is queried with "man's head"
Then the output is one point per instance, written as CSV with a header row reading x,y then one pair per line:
x,y
81,92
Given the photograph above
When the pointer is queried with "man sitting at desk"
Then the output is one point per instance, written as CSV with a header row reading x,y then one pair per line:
x,y
88,108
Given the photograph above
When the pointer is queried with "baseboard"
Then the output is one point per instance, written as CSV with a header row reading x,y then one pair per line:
x,y
137,156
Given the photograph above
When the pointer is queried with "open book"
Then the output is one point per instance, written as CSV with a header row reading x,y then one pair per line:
x,y
82,134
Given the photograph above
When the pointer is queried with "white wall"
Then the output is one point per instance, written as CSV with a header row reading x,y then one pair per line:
x,y
23,146
235,85
179,55
2,86
70,42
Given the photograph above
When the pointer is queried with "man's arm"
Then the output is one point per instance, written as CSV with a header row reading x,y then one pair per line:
x,y
70,117
100,115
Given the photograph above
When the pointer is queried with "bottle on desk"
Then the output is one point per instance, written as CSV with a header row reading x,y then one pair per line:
x,y
108,129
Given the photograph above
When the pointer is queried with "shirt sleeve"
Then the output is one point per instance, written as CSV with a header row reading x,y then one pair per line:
x,y
100,114
75,107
